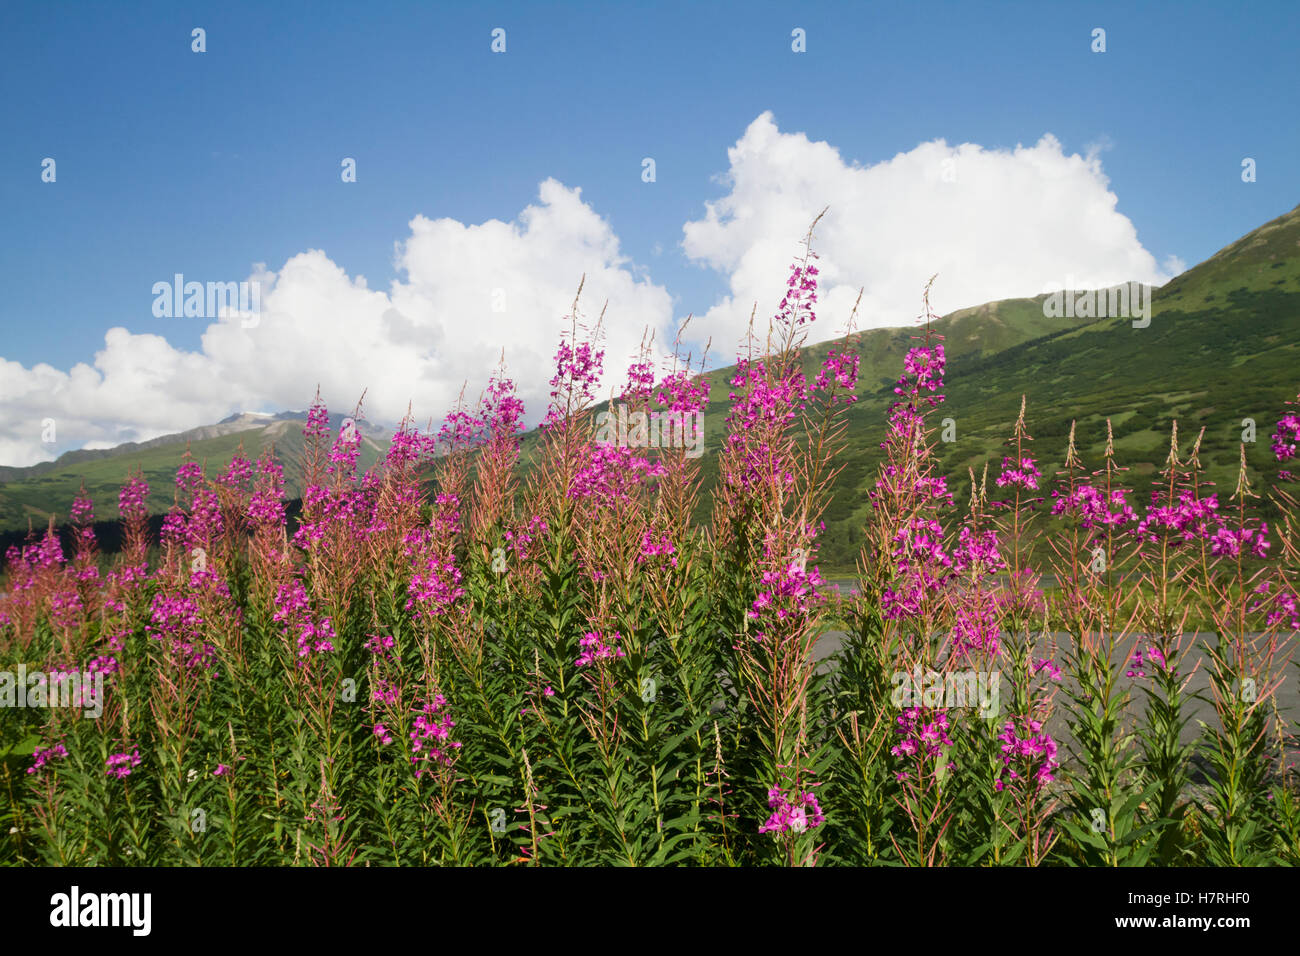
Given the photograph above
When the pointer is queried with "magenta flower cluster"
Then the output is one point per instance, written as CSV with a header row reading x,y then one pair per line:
x,y
1019,474
1028,753
1143,659
975,627
1093,507
1188,520
121,765
521,537
660,545
595,646
923,567
788,597
923,371
578,369
613,473
919,737
266,507
131,499
792,812
176,620
436,586
293,611
1230,542
1286,437
1285,608
43,755
431,741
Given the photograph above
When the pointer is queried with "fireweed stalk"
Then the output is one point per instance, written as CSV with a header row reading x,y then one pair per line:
x,y
1024,800
1170,538
1243,680
907,567
1092,512
775,490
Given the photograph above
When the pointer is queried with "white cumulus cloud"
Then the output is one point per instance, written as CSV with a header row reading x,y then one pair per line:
x,y
992,223
465,292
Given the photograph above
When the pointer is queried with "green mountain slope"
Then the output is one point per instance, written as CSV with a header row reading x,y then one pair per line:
x,y
33,494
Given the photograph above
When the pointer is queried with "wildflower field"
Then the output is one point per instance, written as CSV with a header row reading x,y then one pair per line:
x,y
449,661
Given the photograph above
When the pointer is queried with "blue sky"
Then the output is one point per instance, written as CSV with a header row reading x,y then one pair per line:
x,y
170,161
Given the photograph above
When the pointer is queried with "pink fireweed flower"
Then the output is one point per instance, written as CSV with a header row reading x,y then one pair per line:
x,y
521,537
238,474
176,621
923,369
293,611
131,499
48,554
977,551
1141,659
792,812
43,755
502,411
788,599
839,373
652,546
928,489
380,646
920,542
975,627
460,430
1283,607
1046,664
1191,519
221,770
1228,543
436,587
680,393
761,411
66,609
318,421
446,516
614,473
105,663
596,647
121,765
174,534
796,306
1093,508
266,508
205,522
577,370
640,382
382,733
921,566
345,451
431,742
1286,437
1028,757
917,736
82,517
405,450
83,511
1022,474
385,692
189,479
